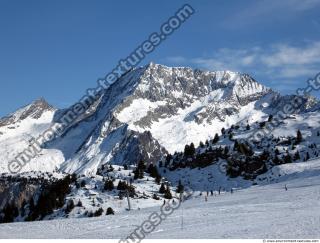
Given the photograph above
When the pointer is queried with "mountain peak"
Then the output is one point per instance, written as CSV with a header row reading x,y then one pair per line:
x,y
33,110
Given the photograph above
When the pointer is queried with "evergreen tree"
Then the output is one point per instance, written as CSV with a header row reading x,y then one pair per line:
x,y
153,171
83,183
236,145
108,185
201,144
307,156
180,187
287,158
223,130
79,204
189,150
299,137
162,188
296,156
98,212
216,138
70,206
158,179
139,171
110,211
167,193
276,160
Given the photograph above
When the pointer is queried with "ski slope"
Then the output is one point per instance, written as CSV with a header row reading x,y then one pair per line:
x,y
257,212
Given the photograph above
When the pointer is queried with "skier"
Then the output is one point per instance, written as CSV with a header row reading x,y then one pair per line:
x,y
219,190
285,187
231,190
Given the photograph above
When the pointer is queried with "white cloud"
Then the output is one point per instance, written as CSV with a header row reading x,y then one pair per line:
x,y
289,55
280,62
269,10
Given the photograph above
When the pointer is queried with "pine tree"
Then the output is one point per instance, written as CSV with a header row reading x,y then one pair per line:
x,y
180,187
216,138
167,193
110,211
79,204
296,156
201,144
223,130
162,188
287,158
307,157
236,145
299,137
276,160
70,206
108,185
98,212
83,183
139,171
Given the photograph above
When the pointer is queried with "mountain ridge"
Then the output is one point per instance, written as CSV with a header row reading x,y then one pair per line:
x,y
172,105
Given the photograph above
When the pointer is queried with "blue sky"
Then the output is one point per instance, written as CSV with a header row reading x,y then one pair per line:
x,y
57,49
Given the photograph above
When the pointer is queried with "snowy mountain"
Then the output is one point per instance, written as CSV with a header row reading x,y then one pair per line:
x,y
154,130
147,112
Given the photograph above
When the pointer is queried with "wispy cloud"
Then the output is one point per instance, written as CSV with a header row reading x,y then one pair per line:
x,y
269,10
277,62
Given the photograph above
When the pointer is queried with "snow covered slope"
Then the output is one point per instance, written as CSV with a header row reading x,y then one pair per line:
x,y
264,212
18,128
